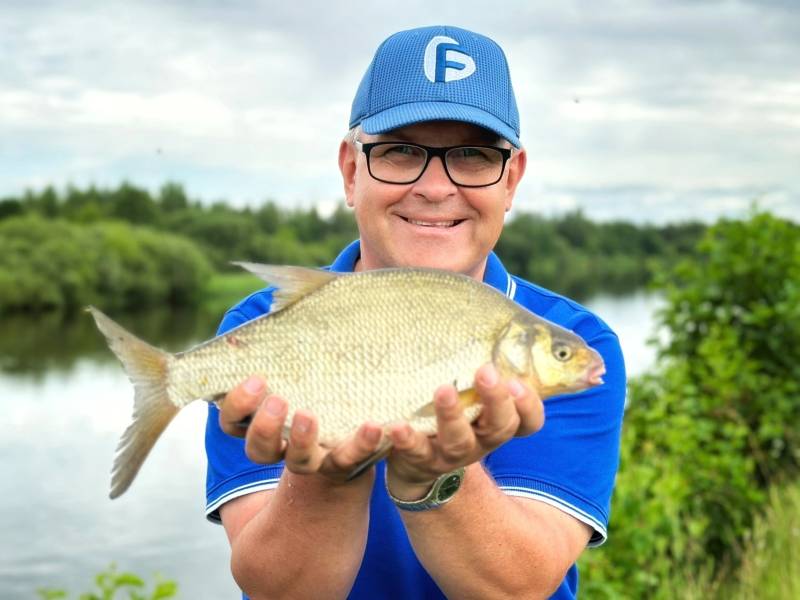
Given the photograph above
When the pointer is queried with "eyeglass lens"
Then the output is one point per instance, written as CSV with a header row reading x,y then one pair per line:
x,y
466,165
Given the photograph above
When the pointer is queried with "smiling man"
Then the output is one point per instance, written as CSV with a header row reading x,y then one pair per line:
x,y
498,508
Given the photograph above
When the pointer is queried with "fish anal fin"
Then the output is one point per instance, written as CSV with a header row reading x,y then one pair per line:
x,y
292,283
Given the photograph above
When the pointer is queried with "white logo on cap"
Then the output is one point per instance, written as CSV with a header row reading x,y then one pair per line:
x,y
445,62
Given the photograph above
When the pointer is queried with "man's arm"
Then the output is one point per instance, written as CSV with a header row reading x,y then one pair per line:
x,y
308,535
484,543
306,538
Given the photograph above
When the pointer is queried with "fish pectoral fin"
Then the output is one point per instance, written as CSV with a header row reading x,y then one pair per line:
x,y
292,282
380,453
466,398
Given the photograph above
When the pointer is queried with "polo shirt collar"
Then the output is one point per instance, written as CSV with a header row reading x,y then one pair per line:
x,y
495,274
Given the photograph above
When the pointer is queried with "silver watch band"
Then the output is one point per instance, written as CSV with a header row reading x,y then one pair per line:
x,y
441,492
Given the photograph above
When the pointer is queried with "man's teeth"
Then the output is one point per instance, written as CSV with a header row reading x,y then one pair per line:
x,y
432,224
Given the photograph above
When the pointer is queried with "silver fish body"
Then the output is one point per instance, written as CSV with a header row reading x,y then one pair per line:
x,y
353,347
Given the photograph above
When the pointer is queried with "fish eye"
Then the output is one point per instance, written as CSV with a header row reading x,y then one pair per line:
x,y
562,352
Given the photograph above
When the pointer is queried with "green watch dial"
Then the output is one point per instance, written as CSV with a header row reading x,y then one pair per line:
x,y
449,487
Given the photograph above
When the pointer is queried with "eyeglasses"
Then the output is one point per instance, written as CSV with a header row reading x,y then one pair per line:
x,y
466,166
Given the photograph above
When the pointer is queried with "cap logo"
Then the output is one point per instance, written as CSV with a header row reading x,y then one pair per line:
x,y
445,62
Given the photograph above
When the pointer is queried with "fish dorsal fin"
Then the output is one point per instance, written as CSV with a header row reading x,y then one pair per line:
x,y
292,282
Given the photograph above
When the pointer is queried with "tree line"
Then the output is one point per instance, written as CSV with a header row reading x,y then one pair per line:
x,y
569,254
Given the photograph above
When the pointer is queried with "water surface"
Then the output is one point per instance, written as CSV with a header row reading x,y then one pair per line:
x,y
65,400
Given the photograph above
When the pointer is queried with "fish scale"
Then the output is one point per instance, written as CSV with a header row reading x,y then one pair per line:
x,y
351,348
315,352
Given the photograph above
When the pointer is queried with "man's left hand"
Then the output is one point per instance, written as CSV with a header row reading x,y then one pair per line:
x,y
510,409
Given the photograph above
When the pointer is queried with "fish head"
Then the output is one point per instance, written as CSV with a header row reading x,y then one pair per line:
x,y
549,358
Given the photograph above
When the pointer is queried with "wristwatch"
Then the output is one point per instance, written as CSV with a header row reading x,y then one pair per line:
x,y
443,490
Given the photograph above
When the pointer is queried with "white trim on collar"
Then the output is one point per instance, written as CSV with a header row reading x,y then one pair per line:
x,y
511,287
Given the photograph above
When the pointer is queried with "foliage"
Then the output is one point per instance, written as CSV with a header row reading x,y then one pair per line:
x,y
717,423
569,254
55,264
111,581
578,257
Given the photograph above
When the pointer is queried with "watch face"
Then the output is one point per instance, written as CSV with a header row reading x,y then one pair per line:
x,y
449,487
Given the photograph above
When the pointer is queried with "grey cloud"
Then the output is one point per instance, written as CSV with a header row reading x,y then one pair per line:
x,y
616,95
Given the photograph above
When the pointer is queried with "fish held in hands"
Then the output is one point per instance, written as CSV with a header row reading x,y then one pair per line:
x,y
352,347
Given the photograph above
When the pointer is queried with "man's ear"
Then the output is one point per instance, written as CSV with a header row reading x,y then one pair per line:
x,y
347,167
516,169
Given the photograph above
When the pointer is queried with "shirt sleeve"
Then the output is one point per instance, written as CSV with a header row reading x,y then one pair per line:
x,y
230,473
571,463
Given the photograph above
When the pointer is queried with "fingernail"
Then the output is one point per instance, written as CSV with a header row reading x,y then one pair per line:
x,y
516,389
372,436
490,376
274,406
302,424
447,400
254,385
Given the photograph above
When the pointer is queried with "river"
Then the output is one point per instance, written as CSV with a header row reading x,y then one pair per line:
x,y
65,401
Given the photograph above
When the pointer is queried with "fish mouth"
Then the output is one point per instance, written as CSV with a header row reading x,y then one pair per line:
x,y
436,224
595,374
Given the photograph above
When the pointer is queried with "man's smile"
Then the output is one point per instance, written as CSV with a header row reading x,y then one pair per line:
x,y
436,223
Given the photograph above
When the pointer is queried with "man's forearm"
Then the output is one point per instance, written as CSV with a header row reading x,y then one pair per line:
x,y
486,544
306,541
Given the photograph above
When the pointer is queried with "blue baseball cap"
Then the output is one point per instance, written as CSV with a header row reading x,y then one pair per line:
x,y
437,73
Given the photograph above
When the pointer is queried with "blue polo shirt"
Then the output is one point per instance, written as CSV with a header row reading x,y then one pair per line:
x,y
570,463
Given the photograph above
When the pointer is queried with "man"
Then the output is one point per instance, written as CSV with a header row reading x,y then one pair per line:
x,y
430,167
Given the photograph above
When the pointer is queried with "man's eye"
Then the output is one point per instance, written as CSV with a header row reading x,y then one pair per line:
x,y
473,155
402,150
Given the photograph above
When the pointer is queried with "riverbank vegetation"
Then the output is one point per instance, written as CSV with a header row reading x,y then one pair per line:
x,y
125,248
715,425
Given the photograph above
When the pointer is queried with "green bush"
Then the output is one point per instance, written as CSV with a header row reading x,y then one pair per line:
x,y
109,582
717,422
54,264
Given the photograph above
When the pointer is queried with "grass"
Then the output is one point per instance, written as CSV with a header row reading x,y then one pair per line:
x,y
770,569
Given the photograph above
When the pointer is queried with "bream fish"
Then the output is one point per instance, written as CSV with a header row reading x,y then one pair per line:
x,y
352,347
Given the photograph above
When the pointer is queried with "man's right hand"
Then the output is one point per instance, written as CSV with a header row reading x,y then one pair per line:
x,y
264,437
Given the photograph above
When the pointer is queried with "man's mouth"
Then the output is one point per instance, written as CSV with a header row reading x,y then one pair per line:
x,y
439,224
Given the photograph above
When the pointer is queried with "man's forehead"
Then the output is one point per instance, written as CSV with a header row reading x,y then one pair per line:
x,y
452,132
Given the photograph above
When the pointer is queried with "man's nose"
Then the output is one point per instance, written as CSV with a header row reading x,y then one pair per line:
x,y
434,183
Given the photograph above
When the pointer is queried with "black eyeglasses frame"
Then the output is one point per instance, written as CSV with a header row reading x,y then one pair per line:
x,y
432,151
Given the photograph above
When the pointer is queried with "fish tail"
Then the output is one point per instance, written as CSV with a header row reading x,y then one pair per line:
x,y
146,367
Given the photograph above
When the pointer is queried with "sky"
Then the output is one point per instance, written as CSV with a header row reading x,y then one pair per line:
x,y
649,111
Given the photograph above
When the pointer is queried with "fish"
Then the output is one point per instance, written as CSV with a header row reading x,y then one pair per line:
x,y
352,347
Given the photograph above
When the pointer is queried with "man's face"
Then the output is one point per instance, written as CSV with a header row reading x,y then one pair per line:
x,y
431,222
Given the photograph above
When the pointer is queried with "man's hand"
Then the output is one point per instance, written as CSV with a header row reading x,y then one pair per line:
x,y
264,438
509,409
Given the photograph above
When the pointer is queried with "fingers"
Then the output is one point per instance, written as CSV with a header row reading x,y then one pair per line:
x,y
345,457
529,408
264,442
303,453
499,419
241,402
455,437
415,447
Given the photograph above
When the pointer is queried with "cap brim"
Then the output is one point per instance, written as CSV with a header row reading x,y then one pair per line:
x,y
420,112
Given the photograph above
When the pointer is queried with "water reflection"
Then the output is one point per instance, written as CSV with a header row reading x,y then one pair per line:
x,y
53,342
65,400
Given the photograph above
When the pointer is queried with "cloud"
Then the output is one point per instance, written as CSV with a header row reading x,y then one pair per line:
x,y
248,99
